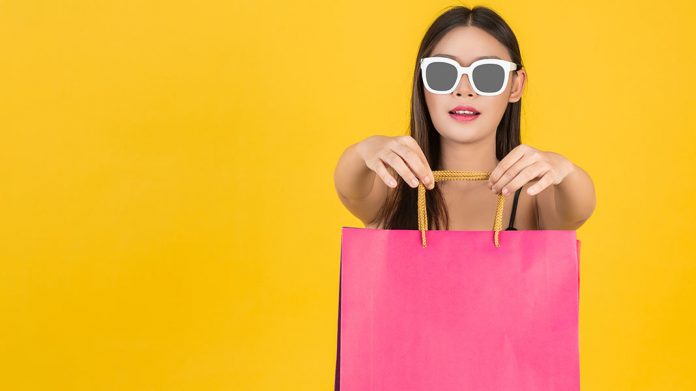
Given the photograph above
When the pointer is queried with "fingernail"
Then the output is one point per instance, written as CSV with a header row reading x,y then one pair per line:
x,y
414,182
392,182
505,191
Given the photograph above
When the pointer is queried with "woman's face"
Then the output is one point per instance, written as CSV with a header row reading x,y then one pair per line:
x,y
465,45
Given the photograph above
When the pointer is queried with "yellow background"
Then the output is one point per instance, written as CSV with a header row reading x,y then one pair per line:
x,y
169,220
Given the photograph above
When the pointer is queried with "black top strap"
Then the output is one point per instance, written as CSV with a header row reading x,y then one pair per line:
x,y
514,210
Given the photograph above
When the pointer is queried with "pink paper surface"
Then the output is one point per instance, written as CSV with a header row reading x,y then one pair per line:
x,y
459,314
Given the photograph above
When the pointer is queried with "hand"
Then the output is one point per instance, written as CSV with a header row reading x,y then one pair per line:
x,y
524,164
402,153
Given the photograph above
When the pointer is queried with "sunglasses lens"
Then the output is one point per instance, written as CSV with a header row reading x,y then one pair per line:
x,y
441,76
489,78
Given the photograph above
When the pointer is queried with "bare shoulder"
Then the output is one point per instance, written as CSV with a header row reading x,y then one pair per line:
x,y
547,215
527,214
379,224
368,208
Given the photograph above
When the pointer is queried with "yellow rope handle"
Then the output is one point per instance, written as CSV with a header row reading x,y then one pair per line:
x,y
451,175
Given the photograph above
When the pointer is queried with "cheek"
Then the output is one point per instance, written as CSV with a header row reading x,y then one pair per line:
x,y
498,105
436,104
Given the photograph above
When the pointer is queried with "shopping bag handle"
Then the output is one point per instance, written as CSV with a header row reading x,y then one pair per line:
x,y
452,175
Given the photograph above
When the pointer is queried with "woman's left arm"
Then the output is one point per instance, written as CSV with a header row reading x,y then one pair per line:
x,y
565,195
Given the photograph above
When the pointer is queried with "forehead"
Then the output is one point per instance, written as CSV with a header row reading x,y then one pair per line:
x,y
466,44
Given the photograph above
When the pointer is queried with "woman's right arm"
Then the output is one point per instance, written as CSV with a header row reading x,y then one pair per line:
x,y
361,177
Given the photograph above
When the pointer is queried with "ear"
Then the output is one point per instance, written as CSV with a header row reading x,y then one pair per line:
x,y
517,79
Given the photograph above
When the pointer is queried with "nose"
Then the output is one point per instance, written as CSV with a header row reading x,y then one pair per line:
x,y
464,87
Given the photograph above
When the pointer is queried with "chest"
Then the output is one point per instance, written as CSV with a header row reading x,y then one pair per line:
x,y
472,206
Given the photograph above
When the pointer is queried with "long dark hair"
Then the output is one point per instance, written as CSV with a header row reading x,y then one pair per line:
x,y
400,209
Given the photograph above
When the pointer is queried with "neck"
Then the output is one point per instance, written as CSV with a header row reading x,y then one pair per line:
x,y
470,156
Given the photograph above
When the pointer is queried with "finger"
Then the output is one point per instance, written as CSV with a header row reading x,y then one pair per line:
x,y
378,167
512,172
397,163
413,160
511,158
525,176
542,184
429,179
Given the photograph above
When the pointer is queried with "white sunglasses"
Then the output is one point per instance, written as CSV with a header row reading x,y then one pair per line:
x,y
488,76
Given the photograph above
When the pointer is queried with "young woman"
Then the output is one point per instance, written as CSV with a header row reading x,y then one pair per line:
x,y
465,115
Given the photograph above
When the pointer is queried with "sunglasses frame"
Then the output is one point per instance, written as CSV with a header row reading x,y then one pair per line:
x,y
507,67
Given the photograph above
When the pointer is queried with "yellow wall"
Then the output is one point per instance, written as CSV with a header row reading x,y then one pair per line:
x,y
168,213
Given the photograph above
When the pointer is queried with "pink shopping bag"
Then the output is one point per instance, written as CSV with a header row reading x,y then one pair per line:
x,y
458,310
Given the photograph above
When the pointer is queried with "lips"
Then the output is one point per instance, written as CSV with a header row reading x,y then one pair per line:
x,y
464,117
467,108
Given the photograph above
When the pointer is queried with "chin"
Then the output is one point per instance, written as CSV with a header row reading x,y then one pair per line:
x,y
461,132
